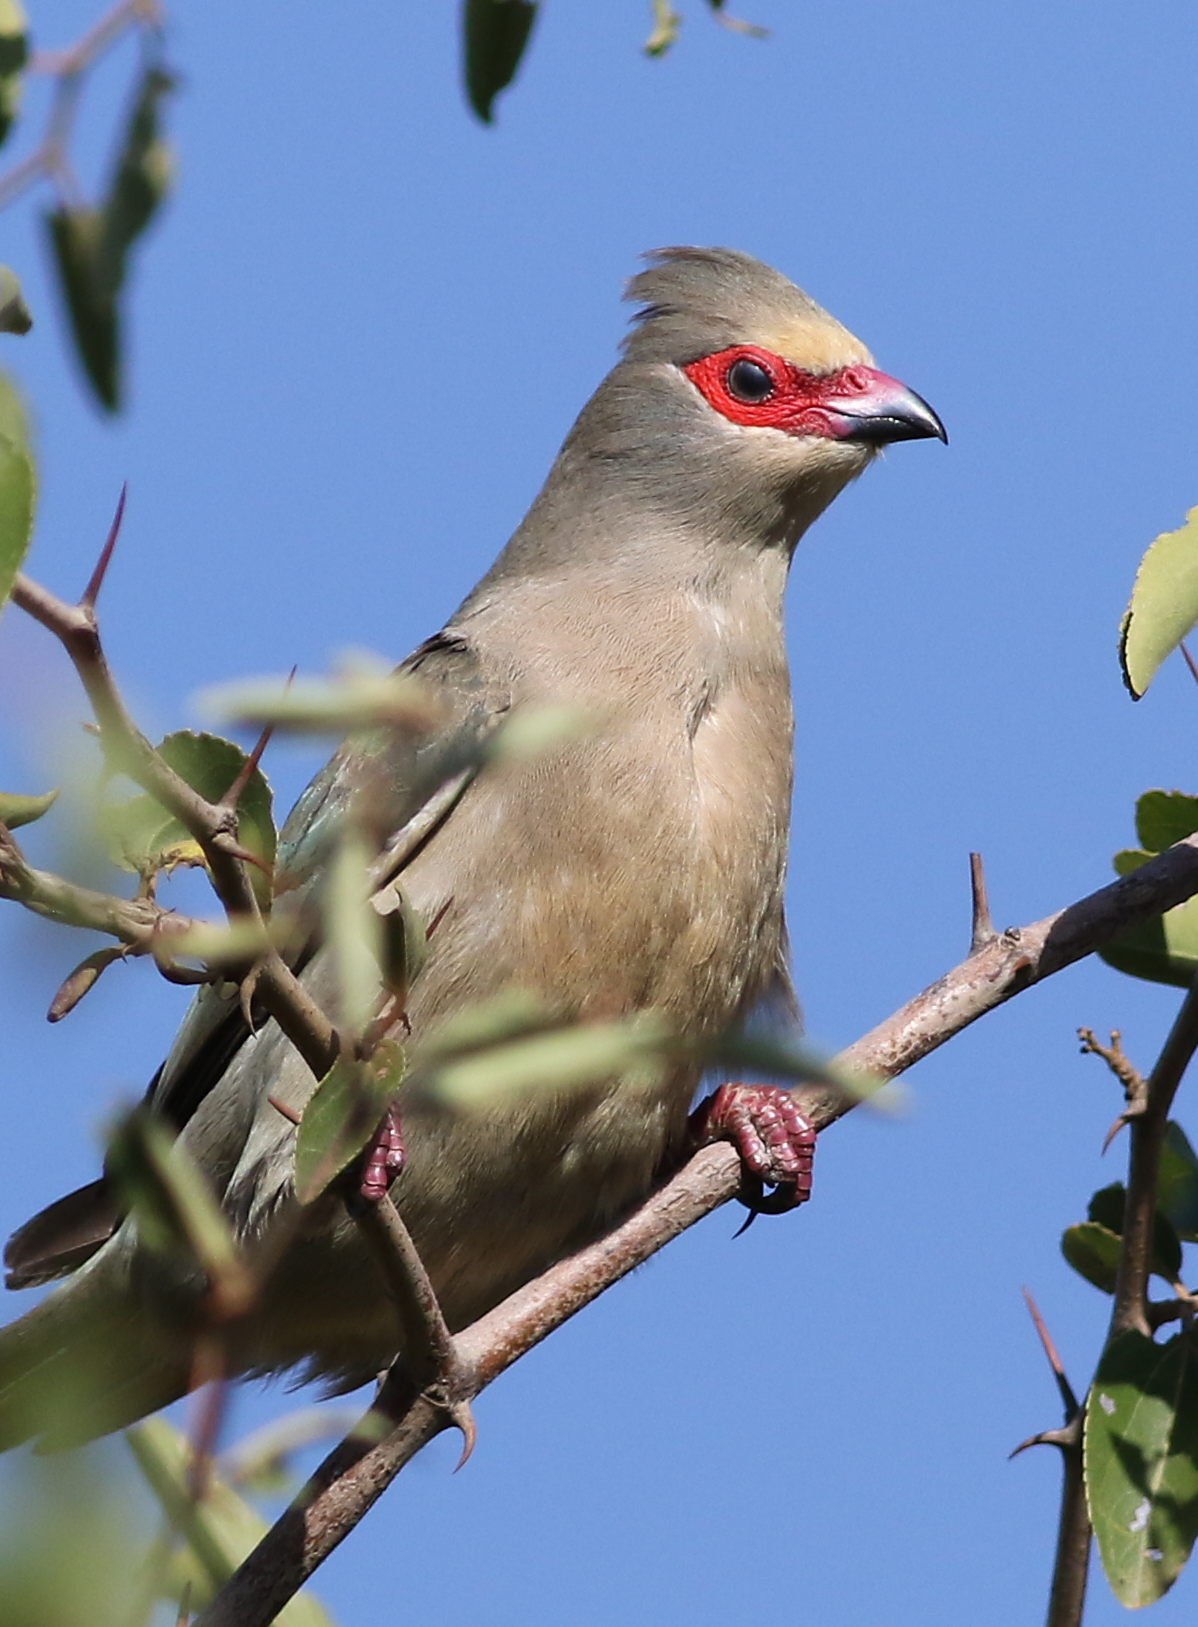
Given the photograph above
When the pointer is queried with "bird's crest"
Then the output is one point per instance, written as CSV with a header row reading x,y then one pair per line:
x,y
693,302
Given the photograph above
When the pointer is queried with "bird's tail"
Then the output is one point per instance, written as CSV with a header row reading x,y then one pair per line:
x,y
84,1362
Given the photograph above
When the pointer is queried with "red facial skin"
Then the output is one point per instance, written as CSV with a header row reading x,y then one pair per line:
x,y
800,404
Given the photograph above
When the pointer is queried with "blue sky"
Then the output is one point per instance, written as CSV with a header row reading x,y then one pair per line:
x,y
357,338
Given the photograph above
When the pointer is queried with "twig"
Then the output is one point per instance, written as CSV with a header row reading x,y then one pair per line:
x,y
49,159
1130,1310
1071,1565
359,1470
429,1353
213,825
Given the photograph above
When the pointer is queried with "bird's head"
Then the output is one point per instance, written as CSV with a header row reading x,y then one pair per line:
x,y
731,368
738,411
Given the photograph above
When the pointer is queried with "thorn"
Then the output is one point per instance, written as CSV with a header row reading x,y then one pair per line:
x,y
1120,1123
285,1109
1189,660
246,772
1054,1361
184,1616
246,992
982,932
463,1417
1062,1438
235,850
92,591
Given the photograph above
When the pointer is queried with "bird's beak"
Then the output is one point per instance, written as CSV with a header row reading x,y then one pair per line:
x,y
878,410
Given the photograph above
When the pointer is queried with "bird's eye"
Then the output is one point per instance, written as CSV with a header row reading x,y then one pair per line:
x,y
748,381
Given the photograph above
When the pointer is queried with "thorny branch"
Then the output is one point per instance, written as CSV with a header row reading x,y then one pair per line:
x,y
1148,1105
358,1471
214,826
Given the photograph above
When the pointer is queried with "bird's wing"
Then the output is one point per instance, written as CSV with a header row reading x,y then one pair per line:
x,y
413,780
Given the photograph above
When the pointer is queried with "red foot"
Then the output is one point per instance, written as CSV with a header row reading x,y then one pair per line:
x,y
384,1158
775,1142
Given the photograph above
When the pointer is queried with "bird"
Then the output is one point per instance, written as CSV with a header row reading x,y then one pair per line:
x,y
635,866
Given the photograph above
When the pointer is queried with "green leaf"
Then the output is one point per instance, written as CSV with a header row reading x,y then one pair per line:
x,y
14,53
143,837
342,1114
1165,817
1093,1252
666,24
1141,1462
1177,1183
18,486
1107,1209
1163,606
496,35
219,1531
14,313
404,941
174,1206
75,237
17,810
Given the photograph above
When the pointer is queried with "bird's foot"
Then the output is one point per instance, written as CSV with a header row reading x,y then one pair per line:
x,y
775,1141
383,1159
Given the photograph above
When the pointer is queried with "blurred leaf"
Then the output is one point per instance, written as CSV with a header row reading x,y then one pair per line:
x,y
143,837
90,247
1163,949
219,1531
1093,1252
558,1059
510,1015
353,931
17,810
666,24
174,1205
1165,817
75,238
14,313
65,1527
360,696
18,486
496,35
224,943
1141,1462
141,178
1163,605
342,1114
14,53
532,729
1177,1183
260,1462
798,1064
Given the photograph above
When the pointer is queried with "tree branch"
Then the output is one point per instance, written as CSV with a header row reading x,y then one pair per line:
x,y
358,1471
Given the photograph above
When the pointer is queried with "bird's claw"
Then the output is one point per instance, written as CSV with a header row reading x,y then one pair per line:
x,y
383,1159
775,1141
